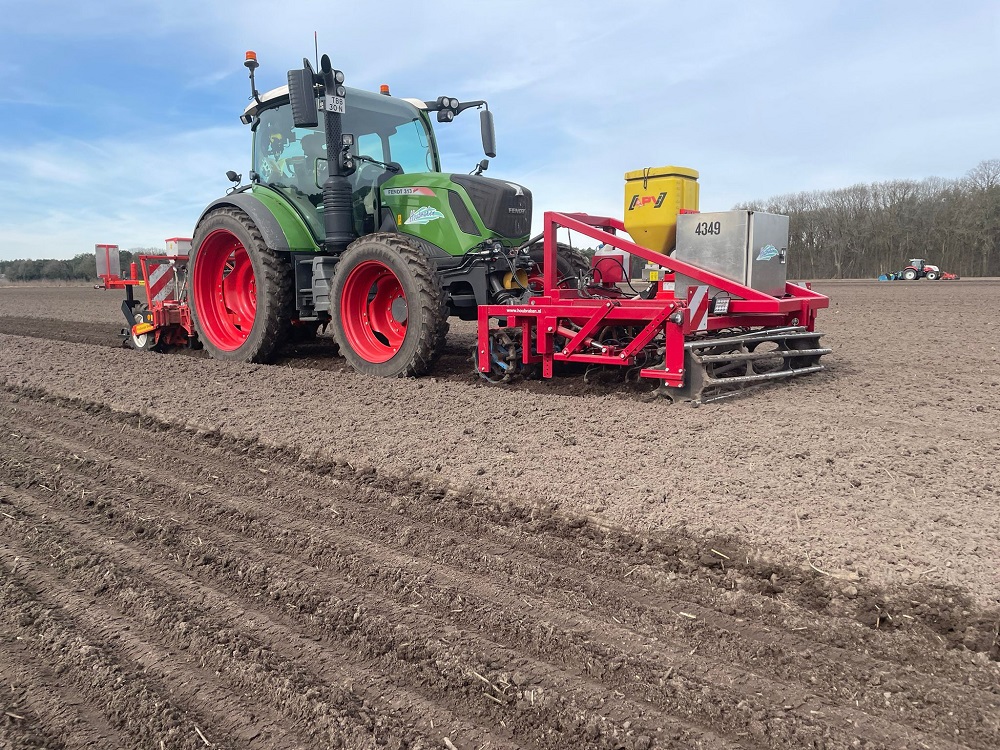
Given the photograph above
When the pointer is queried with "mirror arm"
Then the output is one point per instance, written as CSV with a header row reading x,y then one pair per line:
x,y
478,104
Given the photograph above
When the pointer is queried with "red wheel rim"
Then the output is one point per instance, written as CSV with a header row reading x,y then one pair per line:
x,y
373,311
225,290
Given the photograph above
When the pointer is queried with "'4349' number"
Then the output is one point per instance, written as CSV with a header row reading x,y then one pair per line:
x,y
708,227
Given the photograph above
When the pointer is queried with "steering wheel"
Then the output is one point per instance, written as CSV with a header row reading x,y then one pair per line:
x,y
296,163
368,174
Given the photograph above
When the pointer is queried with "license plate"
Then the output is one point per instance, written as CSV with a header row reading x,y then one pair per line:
x,y
336,104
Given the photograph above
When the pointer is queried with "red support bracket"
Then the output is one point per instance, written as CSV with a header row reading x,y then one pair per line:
x,y
582,336
646,334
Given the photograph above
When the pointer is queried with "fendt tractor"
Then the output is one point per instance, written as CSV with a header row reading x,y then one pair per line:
x,y
347,222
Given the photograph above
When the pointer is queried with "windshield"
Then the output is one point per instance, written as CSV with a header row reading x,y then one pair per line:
x,y
293,160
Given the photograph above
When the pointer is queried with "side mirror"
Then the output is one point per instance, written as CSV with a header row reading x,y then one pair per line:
x,y
489,133
484,165
302,97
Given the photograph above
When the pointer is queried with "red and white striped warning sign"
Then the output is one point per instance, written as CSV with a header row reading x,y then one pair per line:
x,y
698,308
161,282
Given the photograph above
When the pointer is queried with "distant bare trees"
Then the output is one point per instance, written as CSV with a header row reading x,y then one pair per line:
x,y
864,230
80,267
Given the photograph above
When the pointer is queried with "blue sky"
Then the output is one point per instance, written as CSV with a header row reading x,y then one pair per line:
x,y
121,118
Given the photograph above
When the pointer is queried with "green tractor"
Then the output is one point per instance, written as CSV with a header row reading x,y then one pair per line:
x,y
348,221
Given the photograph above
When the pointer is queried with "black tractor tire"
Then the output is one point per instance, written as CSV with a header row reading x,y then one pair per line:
x,y
933,276
910,275
274,294
406,268
572,267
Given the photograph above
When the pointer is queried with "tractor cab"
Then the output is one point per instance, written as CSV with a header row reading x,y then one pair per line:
x,y
395,181
390,137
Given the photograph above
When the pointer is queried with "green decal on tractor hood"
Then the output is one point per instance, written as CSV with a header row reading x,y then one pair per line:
x,y
424,215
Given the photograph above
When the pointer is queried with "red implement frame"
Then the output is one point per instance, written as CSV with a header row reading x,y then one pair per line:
x,y
568,314
168,311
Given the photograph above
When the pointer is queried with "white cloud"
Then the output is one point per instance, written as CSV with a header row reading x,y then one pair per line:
x,y
130,190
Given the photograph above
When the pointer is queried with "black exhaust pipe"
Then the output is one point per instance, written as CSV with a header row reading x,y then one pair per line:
x,y
338,211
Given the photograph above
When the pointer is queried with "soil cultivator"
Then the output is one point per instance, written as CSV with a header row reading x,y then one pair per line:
x,y
703,340
348,222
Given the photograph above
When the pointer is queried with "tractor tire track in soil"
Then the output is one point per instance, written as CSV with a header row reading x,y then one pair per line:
x,y
158,584
318,354
77,332
454,364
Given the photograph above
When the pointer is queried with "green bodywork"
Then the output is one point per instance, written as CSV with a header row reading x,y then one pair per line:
x,y
298,234
420,205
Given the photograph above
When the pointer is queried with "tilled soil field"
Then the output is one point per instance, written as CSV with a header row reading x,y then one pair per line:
x,y
199,554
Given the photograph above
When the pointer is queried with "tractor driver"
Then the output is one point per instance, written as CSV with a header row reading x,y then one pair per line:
x,y
284,154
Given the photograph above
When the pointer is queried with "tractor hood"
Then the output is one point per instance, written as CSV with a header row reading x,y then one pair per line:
x,y
457,212
504,207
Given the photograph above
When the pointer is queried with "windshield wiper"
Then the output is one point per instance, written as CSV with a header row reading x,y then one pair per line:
x,y
391,167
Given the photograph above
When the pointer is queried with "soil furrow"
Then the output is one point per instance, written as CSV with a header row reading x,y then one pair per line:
x,y
435,515
136,704
663,577
200,620
431,652
691,690
38,711
189,509
147,641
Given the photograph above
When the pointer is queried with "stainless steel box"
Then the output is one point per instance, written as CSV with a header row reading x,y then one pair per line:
x,y
749,247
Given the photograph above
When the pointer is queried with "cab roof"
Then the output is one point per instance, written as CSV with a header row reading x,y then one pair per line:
x,y
278,96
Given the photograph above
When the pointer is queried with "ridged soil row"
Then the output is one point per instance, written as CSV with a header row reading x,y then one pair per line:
x,y
134,705
426,654
718,711
206,645
453,595
760,633
38,710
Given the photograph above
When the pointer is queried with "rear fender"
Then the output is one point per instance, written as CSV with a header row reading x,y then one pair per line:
x,y
281,227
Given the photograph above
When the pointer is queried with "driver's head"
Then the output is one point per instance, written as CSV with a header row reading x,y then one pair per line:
x,y
314,146
277,143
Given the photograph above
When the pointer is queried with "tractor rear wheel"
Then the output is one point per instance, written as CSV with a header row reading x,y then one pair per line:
x,y
910,274
389,315
241,290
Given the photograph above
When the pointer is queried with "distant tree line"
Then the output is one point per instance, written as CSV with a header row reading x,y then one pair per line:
x,y
82,267
865,230
854,232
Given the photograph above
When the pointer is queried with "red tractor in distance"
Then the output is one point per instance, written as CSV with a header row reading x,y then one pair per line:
x,y
920,268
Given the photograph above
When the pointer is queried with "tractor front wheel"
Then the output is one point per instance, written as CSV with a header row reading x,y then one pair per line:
x,y
572,267
241,290
389,316
933,276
